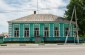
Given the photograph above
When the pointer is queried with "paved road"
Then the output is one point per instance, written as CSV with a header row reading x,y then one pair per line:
x,y
44,50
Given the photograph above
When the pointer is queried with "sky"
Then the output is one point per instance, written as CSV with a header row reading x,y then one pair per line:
x,y
13,9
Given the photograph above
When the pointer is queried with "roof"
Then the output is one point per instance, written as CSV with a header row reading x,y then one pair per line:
x,y
39,17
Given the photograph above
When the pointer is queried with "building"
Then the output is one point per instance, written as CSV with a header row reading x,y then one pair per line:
x,y
4,34
43,27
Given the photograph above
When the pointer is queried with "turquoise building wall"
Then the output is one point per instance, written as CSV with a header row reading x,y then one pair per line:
x,y
51,29
21,30
31,28
41,26
61,28
41,29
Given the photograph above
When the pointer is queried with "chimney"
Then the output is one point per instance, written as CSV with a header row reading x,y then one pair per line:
x,y
34,12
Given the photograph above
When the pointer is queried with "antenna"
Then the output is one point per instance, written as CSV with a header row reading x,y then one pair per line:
x,y
37,7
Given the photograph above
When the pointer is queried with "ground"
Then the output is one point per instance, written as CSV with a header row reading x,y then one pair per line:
x,y
47,49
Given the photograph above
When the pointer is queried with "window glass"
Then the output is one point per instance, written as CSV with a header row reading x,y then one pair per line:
x,y
56,32
66,31
16,32
26,32
36,32
46,32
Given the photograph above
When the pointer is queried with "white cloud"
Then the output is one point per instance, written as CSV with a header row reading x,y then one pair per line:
x,y
5,6
3,23
4,17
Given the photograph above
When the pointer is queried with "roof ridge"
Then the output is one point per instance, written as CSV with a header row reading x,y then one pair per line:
x,y
34,17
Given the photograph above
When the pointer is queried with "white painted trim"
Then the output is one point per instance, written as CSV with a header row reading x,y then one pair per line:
x,y
23,29
59,29
63,30
9,31
48,25
69,31
13,30
39,29
53,30
29,30
49,30
33,30
73,31
19,31
28,25
43,29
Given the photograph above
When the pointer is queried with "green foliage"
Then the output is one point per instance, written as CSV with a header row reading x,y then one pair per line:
x,y
80,10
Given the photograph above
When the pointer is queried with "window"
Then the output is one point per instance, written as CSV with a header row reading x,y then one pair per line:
x,y
16,32
66,31
56,32
46,32
26,32
36,32
74,32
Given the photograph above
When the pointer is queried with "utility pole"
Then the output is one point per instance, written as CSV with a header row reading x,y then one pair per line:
x,y
76,27
73,13
37,7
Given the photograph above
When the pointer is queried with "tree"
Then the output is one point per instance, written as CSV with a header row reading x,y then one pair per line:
x,y
80,10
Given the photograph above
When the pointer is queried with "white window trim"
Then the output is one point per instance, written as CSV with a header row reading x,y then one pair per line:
x,y
34,28
46,32
16,31
54,32
13,30
24,28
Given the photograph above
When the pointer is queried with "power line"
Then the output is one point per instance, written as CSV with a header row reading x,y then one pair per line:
x,y
25,10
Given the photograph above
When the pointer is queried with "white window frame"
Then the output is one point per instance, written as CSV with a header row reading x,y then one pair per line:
x,y
47,31
67,31
16,31
57,31
36,31
74,34
24,29
26,32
